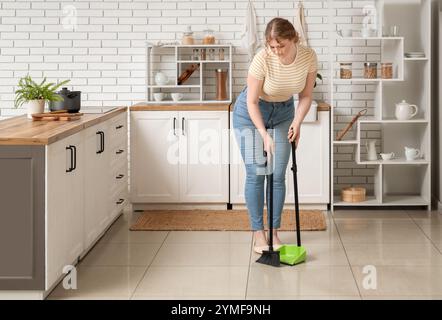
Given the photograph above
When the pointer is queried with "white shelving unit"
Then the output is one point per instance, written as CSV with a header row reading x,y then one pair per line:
x,y
397,182
173,59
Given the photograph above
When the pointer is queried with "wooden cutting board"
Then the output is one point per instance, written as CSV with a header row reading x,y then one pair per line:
x,y
56,116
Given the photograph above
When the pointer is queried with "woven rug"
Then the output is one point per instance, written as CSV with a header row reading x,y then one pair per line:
x,y
221,220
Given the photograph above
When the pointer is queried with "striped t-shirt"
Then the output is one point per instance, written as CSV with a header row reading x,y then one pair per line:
x,y
282,81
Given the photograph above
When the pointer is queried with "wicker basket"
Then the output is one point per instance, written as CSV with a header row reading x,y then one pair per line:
x,y
353,194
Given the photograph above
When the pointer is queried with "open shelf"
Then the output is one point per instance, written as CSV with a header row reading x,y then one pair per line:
x,y
175,60
344,142
404,200
398,161
370,201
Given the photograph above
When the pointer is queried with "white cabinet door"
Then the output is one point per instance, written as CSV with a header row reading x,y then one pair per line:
x,y
64,242
154,156
204,158
75,200
312,160
96,184
58,161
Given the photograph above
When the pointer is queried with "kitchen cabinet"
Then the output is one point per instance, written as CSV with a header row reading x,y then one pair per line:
x,y
96,215
62,189
65,165
177,156
312,160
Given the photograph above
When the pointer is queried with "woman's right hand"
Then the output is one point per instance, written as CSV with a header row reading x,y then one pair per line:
x,y
269,146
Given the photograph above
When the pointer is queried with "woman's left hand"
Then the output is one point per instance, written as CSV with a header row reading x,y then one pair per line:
x,y
294,133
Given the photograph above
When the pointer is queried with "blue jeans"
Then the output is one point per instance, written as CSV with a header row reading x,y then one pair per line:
x,y
276,115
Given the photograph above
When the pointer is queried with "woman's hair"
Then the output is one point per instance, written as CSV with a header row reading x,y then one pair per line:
x,y
280,29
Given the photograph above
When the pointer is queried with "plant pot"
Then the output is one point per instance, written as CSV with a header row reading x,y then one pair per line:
x,y
35,106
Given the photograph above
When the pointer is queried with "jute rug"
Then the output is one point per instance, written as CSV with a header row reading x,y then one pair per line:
x,y
221,220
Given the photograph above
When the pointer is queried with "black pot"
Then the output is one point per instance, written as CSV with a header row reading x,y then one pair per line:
x,y
71,101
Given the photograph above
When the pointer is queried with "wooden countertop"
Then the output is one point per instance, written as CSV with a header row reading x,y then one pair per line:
x,y
23,131
181,107
322,106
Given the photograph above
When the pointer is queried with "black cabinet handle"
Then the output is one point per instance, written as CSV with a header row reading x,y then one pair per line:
x,y
119,151
174,126
75,158
120,176
72,159
182,125
119,127
101,142
120,201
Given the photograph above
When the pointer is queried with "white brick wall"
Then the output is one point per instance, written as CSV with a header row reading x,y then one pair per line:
x,y
104,56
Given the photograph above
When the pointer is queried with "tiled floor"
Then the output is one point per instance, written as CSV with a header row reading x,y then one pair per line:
x,y
367,254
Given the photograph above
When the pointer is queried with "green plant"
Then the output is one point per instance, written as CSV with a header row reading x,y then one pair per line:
x,y
319,76
30,90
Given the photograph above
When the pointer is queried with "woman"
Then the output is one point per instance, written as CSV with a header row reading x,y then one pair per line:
x,y
282,69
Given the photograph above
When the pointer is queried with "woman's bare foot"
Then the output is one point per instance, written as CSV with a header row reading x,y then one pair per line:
x,y
260,241
276,241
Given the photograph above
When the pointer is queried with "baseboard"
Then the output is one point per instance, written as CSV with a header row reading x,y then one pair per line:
x,y
322,207
179,206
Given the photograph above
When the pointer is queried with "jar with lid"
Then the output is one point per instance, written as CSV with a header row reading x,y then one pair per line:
x,y
195,54
221,54
387,70
209,37
202,54
370,70
211,55
188,37
346,72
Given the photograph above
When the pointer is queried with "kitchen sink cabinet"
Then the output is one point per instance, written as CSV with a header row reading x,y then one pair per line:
x,y
179,156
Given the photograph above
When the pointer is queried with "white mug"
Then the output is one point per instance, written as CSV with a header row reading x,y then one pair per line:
x,y
387,156
411,153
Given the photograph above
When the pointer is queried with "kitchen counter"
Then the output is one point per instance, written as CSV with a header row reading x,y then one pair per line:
x,y
181,107
322,106
23,131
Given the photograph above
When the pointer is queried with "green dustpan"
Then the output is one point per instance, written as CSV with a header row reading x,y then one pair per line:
x,y
292,254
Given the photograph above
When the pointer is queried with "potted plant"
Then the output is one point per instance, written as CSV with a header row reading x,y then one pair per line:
x,y
34,95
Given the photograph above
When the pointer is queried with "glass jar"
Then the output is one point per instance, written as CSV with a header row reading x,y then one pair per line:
x,y
195,54
387,70
211,55
221,54
370,70
203,54
346,72
188,38
209,37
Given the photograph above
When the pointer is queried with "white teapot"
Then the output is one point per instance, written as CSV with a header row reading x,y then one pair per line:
x,y
412,154
405,111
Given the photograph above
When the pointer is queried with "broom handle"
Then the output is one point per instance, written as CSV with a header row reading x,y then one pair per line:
x,y
295,183
270,213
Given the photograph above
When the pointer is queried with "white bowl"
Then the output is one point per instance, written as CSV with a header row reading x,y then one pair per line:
x,y
158,96
387,156
176,96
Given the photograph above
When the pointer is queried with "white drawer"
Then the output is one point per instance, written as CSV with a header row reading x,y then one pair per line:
x,y
118,126
118,201
118,178
118,155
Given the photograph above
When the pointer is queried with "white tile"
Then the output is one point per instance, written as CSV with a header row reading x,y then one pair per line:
x,y
301,280
401,231
411,281
395,254
209,237
202,254
121,254
102,283
193,281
